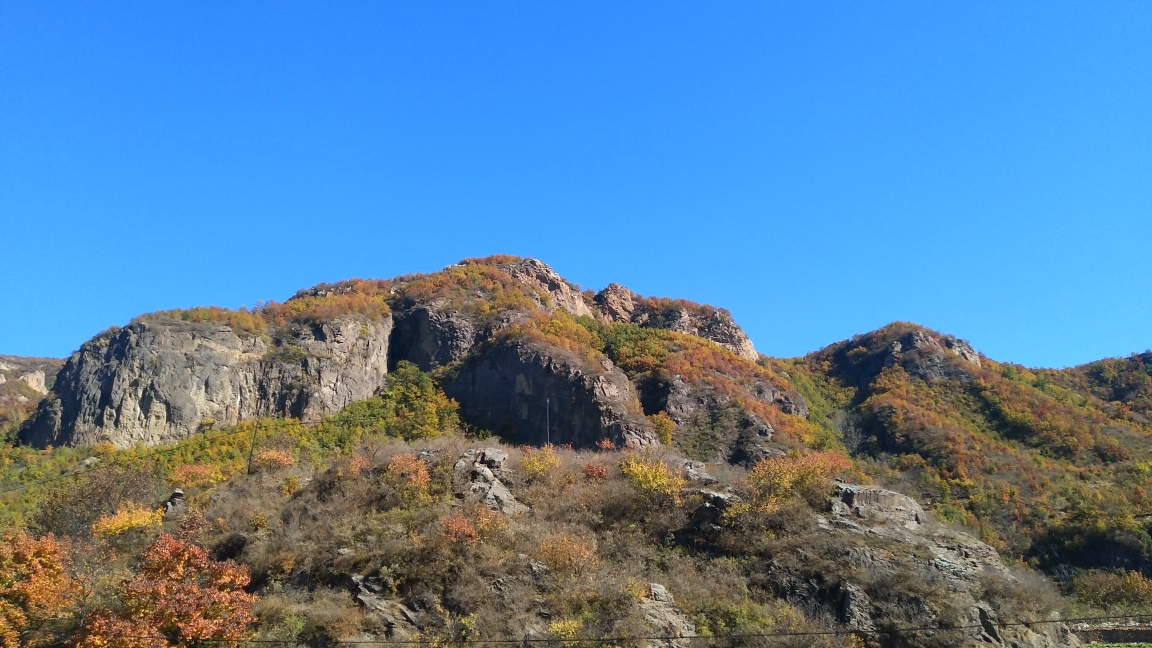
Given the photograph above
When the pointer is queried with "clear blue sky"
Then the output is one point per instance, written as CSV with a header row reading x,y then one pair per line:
x,y
819,168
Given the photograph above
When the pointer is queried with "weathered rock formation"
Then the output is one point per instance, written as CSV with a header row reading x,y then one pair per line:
x,y
617,304
476,478
723,430
430,337
23,381
508,386
666,619
878,533
536,274
161,378
158,380
922,354
35,381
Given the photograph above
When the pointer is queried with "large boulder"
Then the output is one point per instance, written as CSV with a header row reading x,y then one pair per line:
x,y
884,537
476,478
666,619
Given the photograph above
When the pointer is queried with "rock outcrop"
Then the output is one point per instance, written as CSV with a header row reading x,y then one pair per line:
x,y
158,380
536,274
733,433
476,478
615,303
506,387
666,619
165,376
880,533
35,381
430,337
618,304
23,381
401,623
932,358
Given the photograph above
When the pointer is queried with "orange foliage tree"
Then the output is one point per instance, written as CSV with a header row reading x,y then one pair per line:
x,y
33,583
179,596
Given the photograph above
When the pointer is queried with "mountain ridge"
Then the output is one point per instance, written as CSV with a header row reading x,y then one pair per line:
x,y
458,451
993,445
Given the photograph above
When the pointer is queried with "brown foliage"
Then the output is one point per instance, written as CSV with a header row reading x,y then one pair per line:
x,y
179,595
34,583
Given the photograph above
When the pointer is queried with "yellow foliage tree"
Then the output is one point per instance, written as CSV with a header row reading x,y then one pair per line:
x,y
33,583
130,516
653,476
776,479
538,463
663,426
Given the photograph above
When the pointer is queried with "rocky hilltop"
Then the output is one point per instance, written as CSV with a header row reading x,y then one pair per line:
x,y
490,451
502,331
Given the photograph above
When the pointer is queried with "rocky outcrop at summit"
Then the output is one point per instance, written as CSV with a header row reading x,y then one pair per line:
x,y
159,380
165,375
932,358
615,303
506,387
538,275
618,304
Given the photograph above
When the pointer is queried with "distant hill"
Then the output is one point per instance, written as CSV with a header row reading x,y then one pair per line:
x,y
23,382
1052,466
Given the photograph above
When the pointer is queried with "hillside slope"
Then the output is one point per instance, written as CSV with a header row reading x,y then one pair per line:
x,y
385,523
1051,466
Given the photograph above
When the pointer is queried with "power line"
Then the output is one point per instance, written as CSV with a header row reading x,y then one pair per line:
x,y
761,635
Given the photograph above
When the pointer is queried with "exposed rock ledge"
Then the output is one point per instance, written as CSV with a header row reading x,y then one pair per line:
x,y
158,380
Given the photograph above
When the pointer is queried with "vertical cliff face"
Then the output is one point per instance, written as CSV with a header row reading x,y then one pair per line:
x,y
158,380
166,375
534,393
430,338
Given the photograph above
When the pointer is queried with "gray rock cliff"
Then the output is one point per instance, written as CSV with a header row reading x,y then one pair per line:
x,y
158,379
506,386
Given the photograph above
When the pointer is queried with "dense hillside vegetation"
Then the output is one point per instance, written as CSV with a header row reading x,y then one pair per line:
x,y
489,453
1050,466
368,525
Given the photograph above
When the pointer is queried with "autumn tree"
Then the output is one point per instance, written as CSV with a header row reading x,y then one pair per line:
x,y
180,596
34,583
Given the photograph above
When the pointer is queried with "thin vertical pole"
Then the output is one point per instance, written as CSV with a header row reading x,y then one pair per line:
x,y
252,449
548,419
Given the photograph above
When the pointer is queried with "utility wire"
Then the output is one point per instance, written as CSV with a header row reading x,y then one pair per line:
x,y
762,635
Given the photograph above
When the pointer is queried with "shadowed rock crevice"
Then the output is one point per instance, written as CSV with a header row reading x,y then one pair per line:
x,y
505,387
